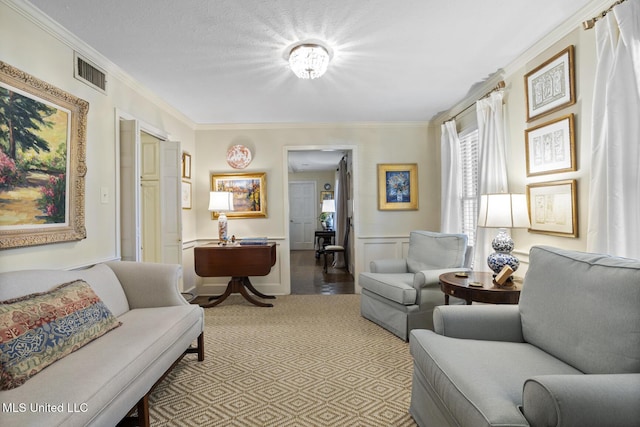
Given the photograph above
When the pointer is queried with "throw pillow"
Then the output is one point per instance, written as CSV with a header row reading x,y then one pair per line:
x,y
38,329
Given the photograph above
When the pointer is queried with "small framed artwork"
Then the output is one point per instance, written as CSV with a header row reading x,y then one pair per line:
x,y
397,186
186,165
43,146
550,147
551,86
186,195
553,208
249,193
326,195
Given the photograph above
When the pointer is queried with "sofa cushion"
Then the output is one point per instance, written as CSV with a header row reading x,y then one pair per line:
x,y
38,329
395,287
583,309
485,393
103,281
429,251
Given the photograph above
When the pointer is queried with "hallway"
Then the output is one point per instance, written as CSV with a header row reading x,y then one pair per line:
x,y
308,278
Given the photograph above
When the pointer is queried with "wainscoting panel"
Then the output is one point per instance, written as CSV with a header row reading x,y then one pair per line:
x,y
373,248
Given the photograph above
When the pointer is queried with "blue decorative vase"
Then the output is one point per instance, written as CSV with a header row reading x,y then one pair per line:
x,y
502,245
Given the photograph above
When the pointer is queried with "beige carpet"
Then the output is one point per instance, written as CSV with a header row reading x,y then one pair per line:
x,y
311,360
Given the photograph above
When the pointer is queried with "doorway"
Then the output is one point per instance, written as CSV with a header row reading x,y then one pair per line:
x,y
149,194
312,177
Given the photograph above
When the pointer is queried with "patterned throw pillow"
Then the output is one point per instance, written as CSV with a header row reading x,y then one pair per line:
x,y
38,329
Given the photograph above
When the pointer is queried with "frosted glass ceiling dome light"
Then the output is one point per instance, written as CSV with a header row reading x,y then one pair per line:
x,y
309,60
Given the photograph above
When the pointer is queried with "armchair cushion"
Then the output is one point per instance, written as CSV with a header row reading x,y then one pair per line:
x,y
595,298
429,250
395,287
484,394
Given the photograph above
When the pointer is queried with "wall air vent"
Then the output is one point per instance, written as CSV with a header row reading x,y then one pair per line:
x,y
88,73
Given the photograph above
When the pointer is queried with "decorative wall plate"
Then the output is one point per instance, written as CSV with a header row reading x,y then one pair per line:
x,y
238,156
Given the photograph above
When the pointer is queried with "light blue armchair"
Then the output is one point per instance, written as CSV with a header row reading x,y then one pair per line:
x,y
400,294
567,355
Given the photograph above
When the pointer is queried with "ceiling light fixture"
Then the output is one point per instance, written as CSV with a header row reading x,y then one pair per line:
x,y
309,60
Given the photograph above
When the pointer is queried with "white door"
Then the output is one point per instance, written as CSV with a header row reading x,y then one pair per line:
x,y
302,214
171,202
130,234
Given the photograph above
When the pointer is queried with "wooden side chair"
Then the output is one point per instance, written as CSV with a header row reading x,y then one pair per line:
x,y
333,249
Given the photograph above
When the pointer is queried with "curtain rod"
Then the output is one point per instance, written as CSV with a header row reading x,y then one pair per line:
x,y
500,85
590,23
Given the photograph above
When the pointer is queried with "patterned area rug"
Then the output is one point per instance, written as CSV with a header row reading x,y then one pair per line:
x,y
311,360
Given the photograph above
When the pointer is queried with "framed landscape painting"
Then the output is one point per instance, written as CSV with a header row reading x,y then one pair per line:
x,y
553,208
551,86
398,186
550,147
42,161
249,193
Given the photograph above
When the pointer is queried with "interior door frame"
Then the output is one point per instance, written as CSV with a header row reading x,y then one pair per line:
x,y
141,126
353,149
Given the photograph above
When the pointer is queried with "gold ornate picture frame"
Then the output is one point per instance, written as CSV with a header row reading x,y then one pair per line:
x,y
551,147
553,208
249,193
42,161
551,86
397,186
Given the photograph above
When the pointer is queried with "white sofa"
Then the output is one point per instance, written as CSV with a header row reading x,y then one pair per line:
x,y
100,383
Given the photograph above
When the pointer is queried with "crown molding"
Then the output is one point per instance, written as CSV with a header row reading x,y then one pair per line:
x,y
51,27
592,9
309,125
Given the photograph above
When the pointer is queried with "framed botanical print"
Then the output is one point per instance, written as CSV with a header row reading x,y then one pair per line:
x,y
249,193
553,208
551,86
42,161
186,195
398,186
550,147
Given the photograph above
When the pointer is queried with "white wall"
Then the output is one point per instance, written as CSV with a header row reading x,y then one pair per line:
x,y
515,109
372,144
34,45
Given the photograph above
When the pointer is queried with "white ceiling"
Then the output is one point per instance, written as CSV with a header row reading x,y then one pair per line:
x,y
223,61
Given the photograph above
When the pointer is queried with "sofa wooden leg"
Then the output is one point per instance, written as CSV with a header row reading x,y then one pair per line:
x,y
199,349
143,411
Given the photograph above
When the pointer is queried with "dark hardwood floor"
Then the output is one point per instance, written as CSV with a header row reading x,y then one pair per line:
x,y
307,276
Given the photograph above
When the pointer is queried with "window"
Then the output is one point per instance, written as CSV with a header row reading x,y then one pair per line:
x,y
469,165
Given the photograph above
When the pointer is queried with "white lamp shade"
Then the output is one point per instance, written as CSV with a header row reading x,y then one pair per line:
x,y
328,205
220,201
503,211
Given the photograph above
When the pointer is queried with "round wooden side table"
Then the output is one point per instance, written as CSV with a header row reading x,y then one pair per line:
x,y
489,292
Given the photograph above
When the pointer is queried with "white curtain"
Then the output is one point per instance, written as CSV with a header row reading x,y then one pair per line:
x,y
342,223
614,191
451,208
492,165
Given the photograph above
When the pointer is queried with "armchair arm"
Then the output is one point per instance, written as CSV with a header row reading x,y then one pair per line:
x,y
149,284
479,322
432,277
582,400
388,266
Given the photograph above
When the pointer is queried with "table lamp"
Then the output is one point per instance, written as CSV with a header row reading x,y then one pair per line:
x,y
221,202
329,206
503,211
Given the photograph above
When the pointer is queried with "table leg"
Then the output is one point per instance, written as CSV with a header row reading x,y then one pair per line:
x,y
249,285
217,299
446,299
239,285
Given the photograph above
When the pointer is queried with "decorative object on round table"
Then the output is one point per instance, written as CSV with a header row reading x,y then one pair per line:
x,y
503,211
502,244
238,156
